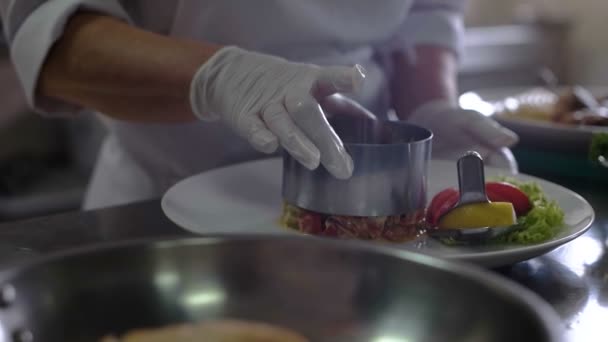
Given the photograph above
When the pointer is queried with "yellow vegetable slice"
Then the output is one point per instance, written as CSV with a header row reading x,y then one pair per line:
x,y
479,215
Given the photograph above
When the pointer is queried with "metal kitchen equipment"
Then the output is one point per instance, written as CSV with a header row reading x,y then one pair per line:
x,y
471,180
389,178
325,289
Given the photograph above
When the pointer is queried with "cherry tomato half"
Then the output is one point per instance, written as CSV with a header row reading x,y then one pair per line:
x,y
505,192
310,223
441,203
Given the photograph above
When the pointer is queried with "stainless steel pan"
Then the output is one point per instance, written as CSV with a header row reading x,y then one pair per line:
x,y
327,290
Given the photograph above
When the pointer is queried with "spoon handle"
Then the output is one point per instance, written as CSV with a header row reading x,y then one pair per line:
x,y
471,179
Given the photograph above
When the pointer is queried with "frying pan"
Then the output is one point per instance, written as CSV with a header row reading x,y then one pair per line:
x,y
327,290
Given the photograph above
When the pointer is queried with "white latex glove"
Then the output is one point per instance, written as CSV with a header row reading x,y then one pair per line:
x,y
457,131
340,105
270,101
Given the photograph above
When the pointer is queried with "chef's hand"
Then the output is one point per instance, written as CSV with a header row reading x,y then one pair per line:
x,y
457,131
270,101
340,105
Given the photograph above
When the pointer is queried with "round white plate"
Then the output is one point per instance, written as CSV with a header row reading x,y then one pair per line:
x,y
543,134
246,198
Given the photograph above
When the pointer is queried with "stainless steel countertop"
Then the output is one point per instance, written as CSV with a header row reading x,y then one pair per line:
x,y
573,278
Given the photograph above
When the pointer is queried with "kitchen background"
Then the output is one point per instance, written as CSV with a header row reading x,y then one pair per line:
x,y
45,164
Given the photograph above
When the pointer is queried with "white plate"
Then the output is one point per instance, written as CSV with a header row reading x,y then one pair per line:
x,y
246,198
535,133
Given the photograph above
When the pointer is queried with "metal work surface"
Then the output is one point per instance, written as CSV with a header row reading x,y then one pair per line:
x,y
573,279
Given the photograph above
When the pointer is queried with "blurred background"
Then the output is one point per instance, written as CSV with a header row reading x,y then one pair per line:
x,y
45,164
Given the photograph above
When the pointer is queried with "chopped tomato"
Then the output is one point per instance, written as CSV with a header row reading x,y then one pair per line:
x,y
346,227
310,223
331,229
375,227
505,192
402,233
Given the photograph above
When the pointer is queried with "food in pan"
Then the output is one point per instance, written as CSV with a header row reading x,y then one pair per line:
x,y
213,331
397,228
572,106
540,217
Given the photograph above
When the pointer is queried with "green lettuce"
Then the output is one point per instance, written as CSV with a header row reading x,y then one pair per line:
x,y
599,147
542,223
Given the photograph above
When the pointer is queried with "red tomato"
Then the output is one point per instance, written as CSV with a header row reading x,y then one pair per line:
x,y
497,192
330,230
442,202
310,223
505,192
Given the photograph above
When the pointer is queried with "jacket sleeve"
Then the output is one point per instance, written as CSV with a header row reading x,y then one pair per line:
x,y
433,22
31,27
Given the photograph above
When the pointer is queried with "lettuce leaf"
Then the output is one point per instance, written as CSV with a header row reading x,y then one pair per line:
x,y
599,146
542,223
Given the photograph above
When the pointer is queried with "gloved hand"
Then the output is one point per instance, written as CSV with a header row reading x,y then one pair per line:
x,y
340,105
270,101
457,131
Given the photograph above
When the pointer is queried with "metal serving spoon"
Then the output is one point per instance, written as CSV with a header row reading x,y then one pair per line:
x,y
472,186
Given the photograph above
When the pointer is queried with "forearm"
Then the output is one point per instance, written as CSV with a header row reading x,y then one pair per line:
x,y
125,72
431,77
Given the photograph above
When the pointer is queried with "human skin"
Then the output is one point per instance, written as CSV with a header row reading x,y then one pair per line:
x,y
131,74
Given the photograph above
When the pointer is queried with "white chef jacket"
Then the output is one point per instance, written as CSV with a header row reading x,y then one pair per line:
x,y
141,161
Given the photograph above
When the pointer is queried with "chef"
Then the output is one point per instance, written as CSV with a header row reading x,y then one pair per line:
x,y
189,85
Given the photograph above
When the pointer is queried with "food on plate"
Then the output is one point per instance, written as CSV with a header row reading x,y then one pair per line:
x,y
505,192
535,104
539,217
476,215
567,107
513,202
440,204
542,222
397,228
212,331
496,192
